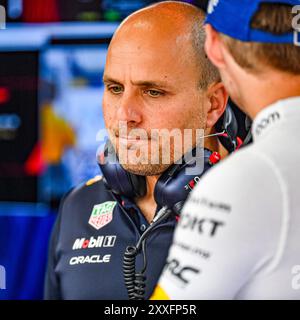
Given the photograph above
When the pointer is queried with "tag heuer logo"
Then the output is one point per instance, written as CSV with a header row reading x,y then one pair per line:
x,y
102,214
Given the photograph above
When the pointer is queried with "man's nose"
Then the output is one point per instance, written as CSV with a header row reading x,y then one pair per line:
x,y
129,109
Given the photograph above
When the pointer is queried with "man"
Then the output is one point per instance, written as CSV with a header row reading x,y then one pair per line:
x,y
239,236
156,77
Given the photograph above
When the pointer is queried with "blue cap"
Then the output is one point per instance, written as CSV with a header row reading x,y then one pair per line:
x,y
233,18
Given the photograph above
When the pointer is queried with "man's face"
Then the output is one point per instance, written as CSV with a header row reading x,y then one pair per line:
x,y
229,80
219,55
151,85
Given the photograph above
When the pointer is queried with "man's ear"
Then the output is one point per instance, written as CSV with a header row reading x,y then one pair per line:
x,y
218,99
214,47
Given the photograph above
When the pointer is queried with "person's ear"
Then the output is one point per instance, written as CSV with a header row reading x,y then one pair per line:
x,y
214,47
218,99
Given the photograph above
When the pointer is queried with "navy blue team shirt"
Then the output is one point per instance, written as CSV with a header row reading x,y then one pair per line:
x,y
85,261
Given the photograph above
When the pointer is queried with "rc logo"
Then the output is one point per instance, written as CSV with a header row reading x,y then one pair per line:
x,y
212,5
2,278
180,273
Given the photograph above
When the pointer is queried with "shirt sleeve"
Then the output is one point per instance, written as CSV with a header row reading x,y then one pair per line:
x,y
52,284
227,234
51,288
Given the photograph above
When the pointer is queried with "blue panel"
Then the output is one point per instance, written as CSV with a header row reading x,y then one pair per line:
x,y
23,252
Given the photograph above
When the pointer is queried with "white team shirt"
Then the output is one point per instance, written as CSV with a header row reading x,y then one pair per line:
x,y
239,234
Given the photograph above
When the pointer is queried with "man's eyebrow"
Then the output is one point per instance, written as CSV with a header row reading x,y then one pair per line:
x,y
109,79
148,83
151,83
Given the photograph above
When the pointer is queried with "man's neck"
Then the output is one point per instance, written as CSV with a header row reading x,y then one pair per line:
x,y
260,92
147,203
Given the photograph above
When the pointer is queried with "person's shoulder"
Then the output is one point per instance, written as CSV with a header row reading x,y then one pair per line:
x,y
93,185
77,206
242,188
239,164
245,172
89,193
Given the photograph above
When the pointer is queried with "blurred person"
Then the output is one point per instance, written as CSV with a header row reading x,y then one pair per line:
x,y
57,136
239,234
156,77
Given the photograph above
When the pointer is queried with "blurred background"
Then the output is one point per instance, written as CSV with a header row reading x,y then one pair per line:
x,y
52,56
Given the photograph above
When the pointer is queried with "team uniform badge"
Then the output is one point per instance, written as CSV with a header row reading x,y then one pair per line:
x,y
102,214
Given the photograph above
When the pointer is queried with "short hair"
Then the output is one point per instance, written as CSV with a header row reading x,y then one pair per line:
x,y
255,56
209,73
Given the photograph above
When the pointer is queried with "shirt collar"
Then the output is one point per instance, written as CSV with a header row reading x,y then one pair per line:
x,y
268,118
128,205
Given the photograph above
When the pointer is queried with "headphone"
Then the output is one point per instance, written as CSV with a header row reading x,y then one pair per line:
x,y
174,185
227,125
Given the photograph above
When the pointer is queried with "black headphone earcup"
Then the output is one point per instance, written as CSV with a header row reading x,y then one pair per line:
x,y
230,122
117,179
175,184
229,125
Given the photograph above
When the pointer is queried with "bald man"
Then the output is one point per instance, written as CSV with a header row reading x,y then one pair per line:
x,y
156,77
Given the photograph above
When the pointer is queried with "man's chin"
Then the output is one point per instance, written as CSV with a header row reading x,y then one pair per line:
x,y
146,169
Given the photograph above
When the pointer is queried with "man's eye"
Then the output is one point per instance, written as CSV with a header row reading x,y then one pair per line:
x,y
115,89
154,93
